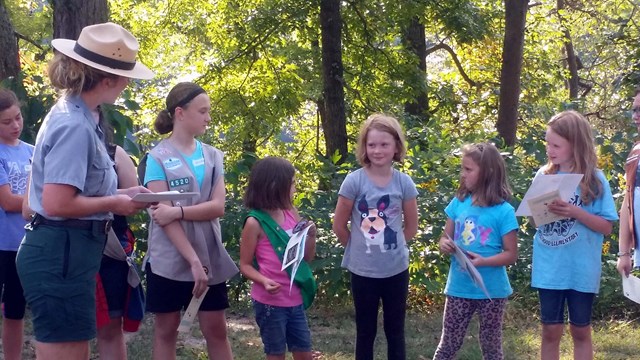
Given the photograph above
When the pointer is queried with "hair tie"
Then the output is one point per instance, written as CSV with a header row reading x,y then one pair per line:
x,y
187,99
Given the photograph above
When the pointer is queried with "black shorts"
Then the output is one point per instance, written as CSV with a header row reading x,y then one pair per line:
x,y
10,289
113,274
166,295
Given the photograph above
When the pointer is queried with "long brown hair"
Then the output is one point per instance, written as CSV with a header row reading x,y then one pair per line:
x,y
269,185
492,187
573,127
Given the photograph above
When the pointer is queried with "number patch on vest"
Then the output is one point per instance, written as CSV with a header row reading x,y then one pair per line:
x,y
179,182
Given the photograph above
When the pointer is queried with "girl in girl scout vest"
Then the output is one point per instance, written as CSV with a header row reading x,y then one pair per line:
x,y
186,254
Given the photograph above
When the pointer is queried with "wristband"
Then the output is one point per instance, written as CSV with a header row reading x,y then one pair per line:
x,y
181,213
624,253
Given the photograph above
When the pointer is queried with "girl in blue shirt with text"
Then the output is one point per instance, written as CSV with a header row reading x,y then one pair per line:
x,y
483,224
567,253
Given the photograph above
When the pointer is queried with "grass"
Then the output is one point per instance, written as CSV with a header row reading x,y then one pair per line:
x,y
333,333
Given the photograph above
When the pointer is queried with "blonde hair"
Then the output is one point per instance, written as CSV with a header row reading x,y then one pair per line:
x,y
385,123
492,187
573,127
74,77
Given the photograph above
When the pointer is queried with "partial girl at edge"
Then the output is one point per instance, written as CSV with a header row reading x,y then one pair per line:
x,y
380,203
280,313
15,165
482,223
186,254
567,254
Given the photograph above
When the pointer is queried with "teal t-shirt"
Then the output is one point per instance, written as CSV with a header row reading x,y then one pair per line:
x,y
479,230
566,253
195,162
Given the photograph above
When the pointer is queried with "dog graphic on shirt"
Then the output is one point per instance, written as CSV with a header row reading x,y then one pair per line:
x,y
373,224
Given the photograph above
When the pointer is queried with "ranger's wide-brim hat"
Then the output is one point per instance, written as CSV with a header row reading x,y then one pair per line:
x,y
107,47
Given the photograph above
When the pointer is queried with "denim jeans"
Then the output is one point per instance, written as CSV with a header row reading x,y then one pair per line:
x,y
282,327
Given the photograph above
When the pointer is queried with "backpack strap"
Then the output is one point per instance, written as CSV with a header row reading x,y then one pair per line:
x,y
279,239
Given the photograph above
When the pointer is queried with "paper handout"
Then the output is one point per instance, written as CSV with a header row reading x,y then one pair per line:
x,y
294,253
631,288
163,196
466,264
539,207
191,312
546,185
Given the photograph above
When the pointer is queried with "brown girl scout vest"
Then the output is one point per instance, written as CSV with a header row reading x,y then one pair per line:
x,y
204,236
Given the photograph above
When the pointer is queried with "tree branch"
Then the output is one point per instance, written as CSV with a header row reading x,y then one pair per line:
x,y
25,38
455,59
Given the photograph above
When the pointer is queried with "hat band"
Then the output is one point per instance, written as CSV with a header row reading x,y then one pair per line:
x,y
103,60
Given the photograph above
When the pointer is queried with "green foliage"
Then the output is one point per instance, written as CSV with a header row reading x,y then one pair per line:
x,y
260,63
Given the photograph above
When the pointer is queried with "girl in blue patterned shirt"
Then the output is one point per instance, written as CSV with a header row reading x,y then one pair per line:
x,y
483,225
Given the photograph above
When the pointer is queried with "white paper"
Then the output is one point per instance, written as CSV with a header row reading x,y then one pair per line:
x,y
539,207
631,288
191,312
466,264
294,253
163,196
565,184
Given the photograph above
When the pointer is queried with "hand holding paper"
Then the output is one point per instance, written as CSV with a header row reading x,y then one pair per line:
x,y
163,196
543,190
631,288
541,208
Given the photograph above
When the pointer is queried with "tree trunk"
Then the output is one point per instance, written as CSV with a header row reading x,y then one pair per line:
x,y
515,17
70,16
9,61
333,117
572,63
414,40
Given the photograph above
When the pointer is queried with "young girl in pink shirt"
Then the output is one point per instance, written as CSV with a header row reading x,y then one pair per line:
x,y
273,219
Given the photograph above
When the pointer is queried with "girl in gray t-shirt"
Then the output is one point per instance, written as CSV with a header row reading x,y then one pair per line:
x,y
378,200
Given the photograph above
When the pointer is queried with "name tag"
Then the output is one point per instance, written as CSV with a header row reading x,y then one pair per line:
x,y
179,182
198,162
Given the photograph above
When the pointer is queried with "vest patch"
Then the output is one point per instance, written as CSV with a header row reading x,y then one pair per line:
x,y
172,163
179,182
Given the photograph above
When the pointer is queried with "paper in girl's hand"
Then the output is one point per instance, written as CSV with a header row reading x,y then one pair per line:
x,y
631,288
191,312
465,263
542,185
539,207
294,253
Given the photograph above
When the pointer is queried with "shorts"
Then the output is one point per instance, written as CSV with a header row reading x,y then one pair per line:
x,y
57,267
10,288
282,327
158,300
113,274
552,303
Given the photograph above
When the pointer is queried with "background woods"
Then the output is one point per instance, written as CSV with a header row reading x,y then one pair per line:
x,y
296,79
